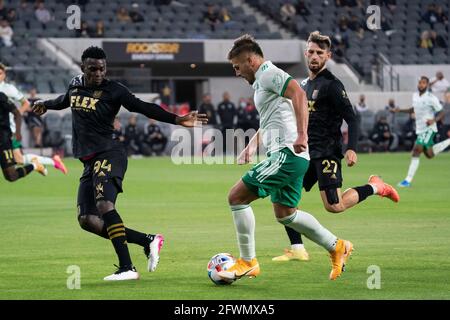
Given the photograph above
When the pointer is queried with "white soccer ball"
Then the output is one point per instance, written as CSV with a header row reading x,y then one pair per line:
x,y
220,262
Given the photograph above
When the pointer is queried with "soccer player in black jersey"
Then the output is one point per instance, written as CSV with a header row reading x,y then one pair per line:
x,y
95,101
328,105
7,162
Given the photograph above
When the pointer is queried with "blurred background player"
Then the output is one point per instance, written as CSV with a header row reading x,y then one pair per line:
x,y
428,111
95,101
283,109
328,105
7,162
23,159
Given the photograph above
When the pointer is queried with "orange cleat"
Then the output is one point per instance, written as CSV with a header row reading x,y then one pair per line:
x,y
339,257
240,269
384,189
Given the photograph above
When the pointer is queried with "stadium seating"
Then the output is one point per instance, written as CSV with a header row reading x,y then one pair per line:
x,y
184,21
399,44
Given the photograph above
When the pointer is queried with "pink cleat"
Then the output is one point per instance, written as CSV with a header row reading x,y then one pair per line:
x,y
59,164
152,252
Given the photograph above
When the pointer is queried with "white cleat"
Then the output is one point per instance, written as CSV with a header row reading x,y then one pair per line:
x,y
121,275
155,248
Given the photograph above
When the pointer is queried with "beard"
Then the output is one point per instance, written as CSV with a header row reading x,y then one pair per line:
x,y
316,67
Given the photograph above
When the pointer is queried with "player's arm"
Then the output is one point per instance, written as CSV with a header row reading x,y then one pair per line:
x,y
24,105
41,106
343,105
404,110
297,95
437,107
154,111
18,122
17,116
246,155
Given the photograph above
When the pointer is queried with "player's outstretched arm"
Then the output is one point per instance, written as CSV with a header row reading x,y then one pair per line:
x,y
300,104
40,107
154,111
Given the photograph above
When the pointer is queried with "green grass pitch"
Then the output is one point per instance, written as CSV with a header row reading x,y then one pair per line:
x,y
409,241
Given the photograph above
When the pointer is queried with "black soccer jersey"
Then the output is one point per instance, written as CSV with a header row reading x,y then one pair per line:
x,y
6,107
328,105
94,110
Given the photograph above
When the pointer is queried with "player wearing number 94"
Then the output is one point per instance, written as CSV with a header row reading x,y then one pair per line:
x,y
328,105
95,101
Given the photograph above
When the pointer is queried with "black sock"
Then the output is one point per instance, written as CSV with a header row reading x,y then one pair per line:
x,y
136,237
294,236
364,192
116,232
133,236
23,171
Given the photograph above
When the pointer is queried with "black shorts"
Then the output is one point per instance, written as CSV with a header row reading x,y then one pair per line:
x,y
6,153
326,170
101,180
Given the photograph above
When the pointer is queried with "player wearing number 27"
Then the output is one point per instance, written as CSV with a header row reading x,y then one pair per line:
x,y
95,101
328,106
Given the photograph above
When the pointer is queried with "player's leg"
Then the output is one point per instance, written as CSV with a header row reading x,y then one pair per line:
x,y
239,199
298,251
285,201
8,164
252,186
329,172
107,171
19,158
90,220
55,161
414,164
307,225
431,149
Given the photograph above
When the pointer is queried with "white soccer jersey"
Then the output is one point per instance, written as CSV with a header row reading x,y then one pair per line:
x,y
13,94
277,116
425,106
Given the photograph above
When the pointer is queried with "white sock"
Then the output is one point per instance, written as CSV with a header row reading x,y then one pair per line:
x,y
441,146
298,246
374,187
306,224
244,222
413,166
44,160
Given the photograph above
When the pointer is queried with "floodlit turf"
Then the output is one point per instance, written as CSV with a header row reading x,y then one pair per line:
x,y
409,242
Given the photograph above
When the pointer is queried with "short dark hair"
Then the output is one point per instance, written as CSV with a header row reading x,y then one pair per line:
x,y
94,53
425,78
245,43
323,41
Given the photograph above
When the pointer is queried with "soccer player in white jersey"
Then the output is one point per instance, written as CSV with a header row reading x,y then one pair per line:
x,y
17,97
428,111
282,106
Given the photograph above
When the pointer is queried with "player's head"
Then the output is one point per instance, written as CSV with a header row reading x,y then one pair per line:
x,y
2,72
93,65
422,86
318,51
246,56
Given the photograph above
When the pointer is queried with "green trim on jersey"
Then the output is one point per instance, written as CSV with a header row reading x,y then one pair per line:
x,y
426,139
285,86
280,176
16,144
